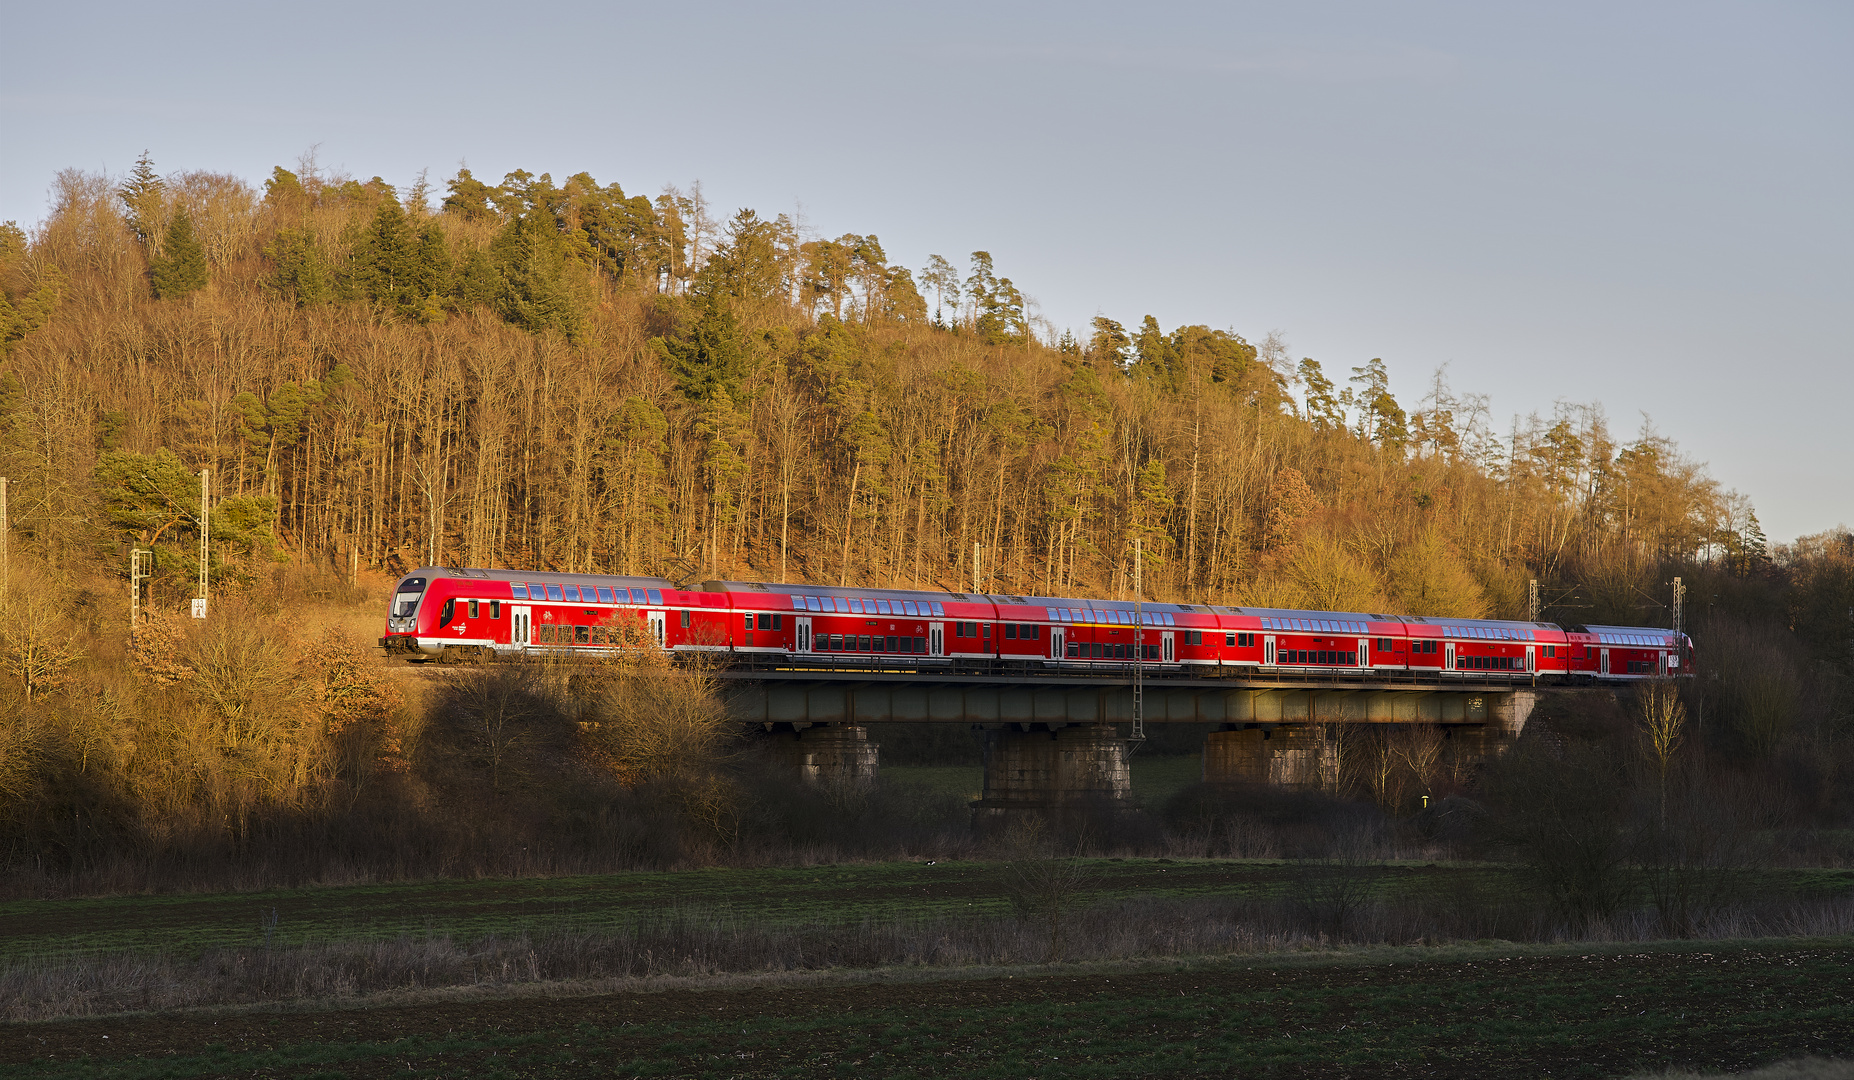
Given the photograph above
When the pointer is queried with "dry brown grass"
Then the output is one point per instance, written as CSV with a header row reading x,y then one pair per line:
x,y
700,944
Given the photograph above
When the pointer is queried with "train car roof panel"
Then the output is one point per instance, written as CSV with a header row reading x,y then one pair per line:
x,y
543,576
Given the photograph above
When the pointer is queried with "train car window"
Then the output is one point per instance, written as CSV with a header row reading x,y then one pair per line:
x,y
913,608
519,590
553,592
656,595
446,612
495,609
601,635
570,593
605,595
939,610
920,644
547,633
811,603
749,621
1010,631
582,635
474,610
889,644
1229,641
985,630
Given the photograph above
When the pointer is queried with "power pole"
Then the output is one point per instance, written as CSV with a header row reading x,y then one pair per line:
x,y
1680,594
141,568
1139,651
1532,601
199,609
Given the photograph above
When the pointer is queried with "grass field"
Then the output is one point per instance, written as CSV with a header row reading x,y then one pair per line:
x,y
818,896
1472,1011
810,896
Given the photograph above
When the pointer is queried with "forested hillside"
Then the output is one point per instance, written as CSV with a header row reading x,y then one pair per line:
x,y
558,375
555,374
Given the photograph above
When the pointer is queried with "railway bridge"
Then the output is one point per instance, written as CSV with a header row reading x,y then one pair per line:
x,y
1056,741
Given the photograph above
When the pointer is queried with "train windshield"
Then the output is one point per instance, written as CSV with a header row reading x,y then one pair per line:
x,y
405,601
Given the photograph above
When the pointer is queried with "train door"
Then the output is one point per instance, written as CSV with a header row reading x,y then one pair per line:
x,y
657,631
1058,642
936,639
1532,658
1268,650
1364,652
520,633
804,633
1166,647
1603,662
1449,658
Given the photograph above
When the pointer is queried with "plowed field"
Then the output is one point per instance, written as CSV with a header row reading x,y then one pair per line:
x,y
1594,1014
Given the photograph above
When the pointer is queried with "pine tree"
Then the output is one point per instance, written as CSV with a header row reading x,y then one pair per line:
x,y
711,361
300,271
143,195
181,268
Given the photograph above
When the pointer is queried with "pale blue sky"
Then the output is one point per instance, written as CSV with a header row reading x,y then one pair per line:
x,y
1646,205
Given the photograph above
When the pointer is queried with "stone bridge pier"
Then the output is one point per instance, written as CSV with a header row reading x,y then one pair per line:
x,y
824,755
1296,745
1052,769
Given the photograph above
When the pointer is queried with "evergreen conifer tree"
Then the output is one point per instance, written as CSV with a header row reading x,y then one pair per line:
x,y
181,269
143,195
711,361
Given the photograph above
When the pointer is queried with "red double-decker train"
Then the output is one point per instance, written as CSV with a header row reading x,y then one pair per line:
x,y
462,614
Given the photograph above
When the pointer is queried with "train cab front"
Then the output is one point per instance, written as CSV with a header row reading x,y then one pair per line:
x,y
403,616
